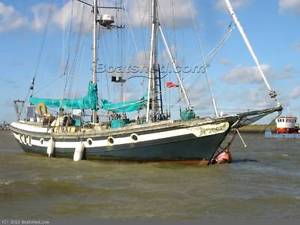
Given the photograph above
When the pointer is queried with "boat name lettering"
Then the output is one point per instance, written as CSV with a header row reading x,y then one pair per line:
x,y
207,130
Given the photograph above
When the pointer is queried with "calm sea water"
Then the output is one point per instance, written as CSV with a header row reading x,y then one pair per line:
x,y
262,182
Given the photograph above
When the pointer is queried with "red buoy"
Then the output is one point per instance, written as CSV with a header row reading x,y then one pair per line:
x,y
224,157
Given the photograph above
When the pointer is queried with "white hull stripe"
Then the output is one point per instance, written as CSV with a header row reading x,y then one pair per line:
x,y
199,131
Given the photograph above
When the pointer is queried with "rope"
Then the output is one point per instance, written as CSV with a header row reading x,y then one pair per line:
x,y
213,53
43,42
77,51
269,125
40,54
66,69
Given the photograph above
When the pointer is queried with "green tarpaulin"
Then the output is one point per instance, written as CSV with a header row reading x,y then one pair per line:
x,y
124,107
90,101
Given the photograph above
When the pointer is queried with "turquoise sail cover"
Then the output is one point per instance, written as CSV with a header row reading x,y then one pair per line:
x,y
90,101
124,107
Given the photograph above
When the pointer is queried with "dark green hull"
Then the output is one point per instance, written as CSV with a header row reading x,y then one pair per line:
x,y
188,148
198,139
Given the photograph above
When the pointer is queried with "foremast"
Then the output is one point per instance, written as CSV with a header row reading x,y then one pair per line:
x,y
95,59
153,95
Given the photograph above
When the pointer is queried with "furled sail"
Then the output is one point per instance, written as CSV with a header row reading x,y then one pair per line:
x,y
124,107
90,101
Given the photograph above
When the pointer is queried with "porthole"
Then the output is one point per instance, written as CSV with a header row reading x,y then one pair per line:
x,y
110,140
134,137
42,141
90,141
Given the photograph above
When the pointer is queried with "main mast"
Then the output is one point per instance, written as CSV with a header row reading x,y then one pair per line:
x,y
95,59
153,66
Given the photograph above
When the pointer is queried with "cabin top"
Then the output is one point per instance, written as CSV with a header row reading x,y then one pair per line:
x,y
286,120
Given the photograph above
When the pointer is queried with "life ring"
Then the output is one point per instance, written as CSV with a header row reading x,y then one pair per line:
x,y
41,109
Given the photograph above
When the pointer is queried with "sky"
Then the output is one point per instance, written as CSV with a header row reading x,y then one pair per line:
x,y
51,39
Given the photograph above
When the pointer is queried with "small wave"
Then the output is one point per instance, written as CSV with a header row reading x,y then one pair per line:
x,y
6,182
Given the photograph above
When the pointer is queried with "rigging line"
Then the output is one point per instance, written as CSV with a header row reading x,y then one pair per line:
x,y
132,34
99,7
213,53
122,50
40,54
49,84
143,17
104,78
182,88
50,12
174,54
66,69
105,49
145,77
174,26
196,25
77,50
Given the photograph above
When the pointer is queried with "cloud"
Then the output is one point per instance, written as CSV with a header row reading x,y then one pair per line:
x,y
198,95
297,47
5,80
40,14
289,6
225,62
257,98
179,12
76,13
243,99
236,4
142,58
251,74
72,12
10,18
295,93
138,14
288,71
246,74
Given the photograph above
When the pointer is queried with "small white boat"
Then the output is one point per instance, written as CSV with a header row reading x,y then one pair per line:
x,y
285,128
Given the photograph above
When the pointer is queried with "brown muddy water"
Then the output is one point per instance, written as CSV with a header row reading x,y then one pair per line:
x,y
262,182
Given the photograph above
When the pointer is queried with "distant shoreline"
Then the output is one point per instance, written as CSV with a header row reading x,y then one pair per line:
x,y
257,128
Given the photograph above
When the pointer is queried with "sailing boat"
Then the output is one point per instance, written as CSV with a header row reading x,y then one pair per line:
x,y
154,138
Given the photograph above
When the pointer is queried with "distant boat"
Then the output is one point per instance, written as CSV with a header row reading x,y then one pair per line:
x,y
285,128
152,137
